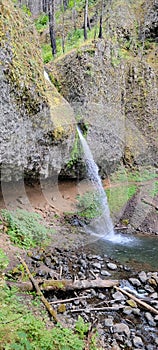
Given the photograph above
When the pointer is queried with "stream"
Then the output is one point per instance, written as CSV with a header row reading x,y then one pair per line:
x,y
136,251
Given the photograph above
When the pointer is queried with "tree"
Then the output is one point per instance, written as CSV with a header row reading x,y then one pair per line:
x,y
100,36
51,14
74,15
63,8
45,6
85,19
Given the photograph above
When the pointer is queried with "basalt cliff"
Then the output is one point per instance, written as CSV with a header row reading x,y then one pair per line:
x,y
109,85
37,124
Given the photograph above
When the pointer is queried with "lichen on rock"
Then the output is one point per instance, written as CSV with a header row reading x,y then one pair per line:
x,y
37,124
115,89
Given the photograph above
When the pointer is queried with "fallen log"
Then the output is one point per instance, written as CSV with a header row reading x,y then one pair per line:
x,y
65,285
140,302
151,203
38,290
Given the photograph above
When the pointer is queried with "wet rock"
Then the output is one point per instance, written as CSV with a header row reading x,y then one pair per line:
x,y
118,296
37,257
121,328
149,288
127,310
126,268
135,282
156,318
156,341
112,266
83,263
137,342
128,344
149,347
81,275
42,273
109,321
93,293
101,296
96,266
48,262
143,276
154,295
150,319
136,311
105,273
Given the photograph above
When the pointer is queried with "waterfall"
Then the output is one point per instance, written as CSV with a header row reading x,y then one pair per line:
x,y
47,77
102,225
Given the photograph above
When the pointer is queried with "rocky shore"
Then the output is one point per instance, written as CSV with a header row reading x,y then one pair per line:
x,y
122,322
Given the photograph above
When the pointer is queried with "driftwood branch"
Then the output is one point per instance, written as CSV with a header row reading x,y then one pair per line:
x,y
64,285
117,228
140,302
151,203
105,308
68,300
38,290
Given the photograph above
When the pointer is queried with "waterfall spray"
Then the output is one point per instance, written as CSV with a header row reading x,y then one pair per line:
x,y
102,225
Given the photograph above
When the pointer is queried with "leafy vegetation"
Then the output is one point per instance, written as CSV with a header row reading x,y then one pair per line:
x,y
25,229
74,40
119,195
41,22
20,330
89,205
4,261
141,174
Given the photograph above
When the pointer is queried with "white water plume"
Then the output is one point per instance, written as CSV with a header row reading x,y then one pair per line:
x,y
102,225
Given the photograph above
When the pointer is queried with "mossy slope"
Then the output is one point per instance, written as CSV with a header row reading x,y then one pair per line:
x,y
23,67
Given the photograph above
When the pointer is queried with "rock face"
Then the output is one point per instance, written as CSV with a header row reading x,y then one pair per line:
x,y
36,7
112,86
37,125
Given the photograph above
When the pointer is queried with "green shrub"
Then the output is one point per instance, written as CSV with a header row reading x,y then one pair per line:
x,y
26,10
26,229
89,205
4,261
47,53
41,22
20,330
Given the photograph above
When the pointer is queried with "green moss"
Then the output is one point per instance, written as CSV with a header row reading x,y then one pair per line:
x,y
25,71
74,153
55,284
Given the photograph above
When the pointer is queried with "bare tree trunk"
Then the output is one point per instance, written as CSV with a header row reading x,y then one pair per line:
x,y
51,13
88,23
85,19
63,26
74,15
45,6
100,36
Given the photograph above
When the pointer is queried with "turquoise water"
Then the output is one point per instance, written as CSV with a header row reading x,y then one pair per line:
x,y
139,252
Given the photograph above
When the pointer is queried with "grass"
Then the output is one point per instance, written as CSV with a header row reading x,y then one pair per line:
x,y
143,173
74,40
118,196
4,261
25,229
21,330
89,204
